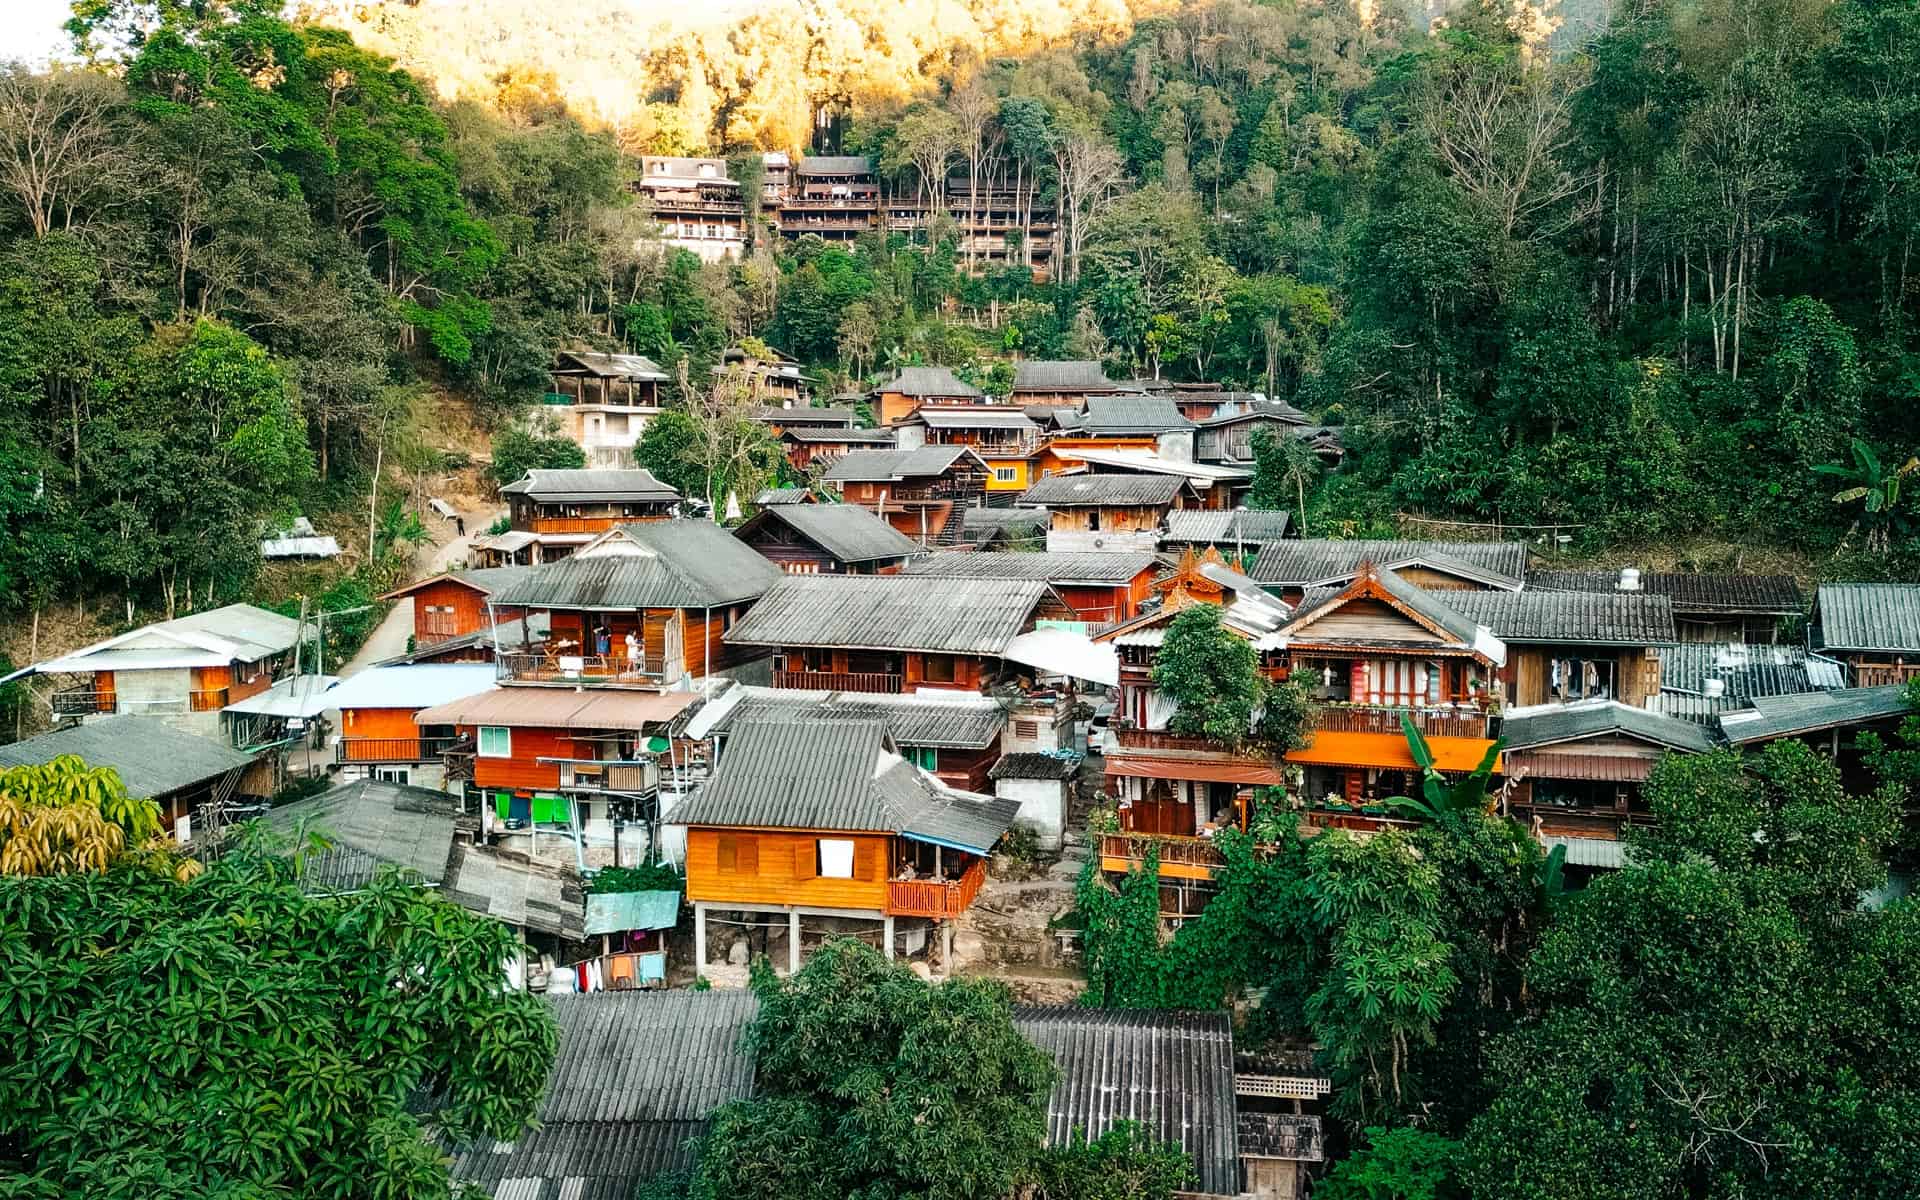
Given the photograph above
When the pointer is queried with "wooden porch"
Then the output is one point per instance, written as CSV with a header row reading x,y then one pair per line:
x,y
935,899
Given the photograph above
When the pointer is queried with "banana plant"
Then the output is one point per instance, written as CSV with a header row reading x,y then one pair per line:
x,y
1439,795
1875,489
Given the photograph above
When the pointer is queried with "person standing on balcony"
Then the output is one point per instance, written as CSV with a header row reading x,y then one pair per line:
x,y
633,652
603,642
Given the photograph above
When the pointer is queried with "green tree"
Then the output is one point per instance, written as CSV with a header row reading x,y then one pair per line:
x,y
1213,675
64,817
517,450
1283,468
1395,1164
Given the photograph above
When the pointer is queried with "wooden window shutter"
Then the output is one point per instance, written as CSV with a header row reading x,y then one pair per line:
x,y
729,852
866,861
806,859
749,856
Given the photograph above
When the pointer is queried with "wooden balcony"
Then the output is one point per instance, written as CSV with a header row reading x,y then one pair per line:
x,y
587,670
611,775
941,901
391,750
839,681
1375,718
1179,857
1882,674
1352,820
207,700
576,524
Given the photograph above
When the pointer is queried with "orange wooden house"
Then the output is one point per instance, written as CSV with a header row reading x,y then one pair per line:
x,y
826,818
1098,588
454,604
914,388
554,512
379,736
922,493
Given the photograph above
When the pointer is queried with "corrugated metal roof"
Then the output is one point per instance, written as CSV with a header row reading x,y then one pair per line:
x,y
1546,725
1783,716
598,1160
1062,376
804,414
1099,491
831,435
600,484
1088,567
929,381
616,912
888,466
242,632
560,708
790,495
966,722
1590,852
299,696
835,164
1870,617
1691,592
371,824
1032,765
846,531
617,366
152,757
1569,618
1251,409
417,686
975,416
1130,461
517,890
1004,518
1171,1072
891,612
1206,526
1746,670
1117,415
664,564
1305,561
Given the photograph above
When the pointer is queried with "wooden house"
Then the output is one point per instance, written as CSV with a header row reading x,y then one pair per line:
x,y
773,378
830,539
1003,436
191,777
1210,485
1872,627
826,818
1706,607
956,736
184,670
480,646
1288,568
698,208
1063,383
1099,588
889,633
378,737
922,493
1228,437
1567,647
1130,419
1830,722
914,388
641,606
1201,401
806,445
833,196
778,418
605,402
453,604
1107,512
559,511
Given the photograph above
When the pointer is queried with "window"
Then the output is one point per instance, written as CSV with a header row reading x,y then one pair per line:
x,y
400,775
739,855
836,858
1026,730
925,757
939,668
1571,679
496,741
1007,474
1093,520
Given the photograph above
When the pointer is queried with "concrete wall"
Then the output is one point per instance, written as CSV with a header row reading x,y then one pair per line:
x,y
1043,806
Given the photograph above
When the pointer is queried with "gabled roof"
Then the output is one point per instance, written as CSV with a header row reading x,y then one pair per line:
x,y
370,824
835,164
1153,463
485,580
215,638
603,485
1430,610
974,416
888,466
152,757
929,381
1879,618
959,720
1171,1072
1553,724
614,366
791,415
1068,375
784,495
1104,491
1214,527
1258,410
418,686
1691,592
1784,716
634,1077
837,775
836,435
652,564
848,532
891,612
1568,618
1091,567
1113,416
1307,562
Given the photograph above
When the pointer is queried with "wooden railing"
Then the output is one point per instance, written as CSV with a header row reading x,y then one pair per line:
x,y
1132,848
1352,820
611,776
79,701
1377,718
592,670
927,898
1161,739
1881,674
575,524
207,699
389,750
839,681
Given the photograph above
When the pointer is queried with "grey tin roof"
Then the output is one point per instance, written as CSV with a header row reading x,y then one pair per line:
x,y
888,466
1032,765
891,612
1206,526
152,757
1062,376
616,366
1870,617
1813,712
846,531
975,416
837,435
1118,415
804,414
969,723
835,164
1305,561
1004,518
1086,567
611,486
1546,725
1100,491
786,495
1170,1071
517,890
1691,592
371,824
1566,618
634,1077
1746,670
682,564
929,381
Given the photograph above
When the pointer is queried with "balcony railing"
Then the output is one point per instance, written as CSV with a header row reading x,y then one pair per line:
x,y
1170,849
391,750
592,670
927,898
1161,739
1882,674
80,701
207,699
1373,718
1352,820
839,681
575,524
612,775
